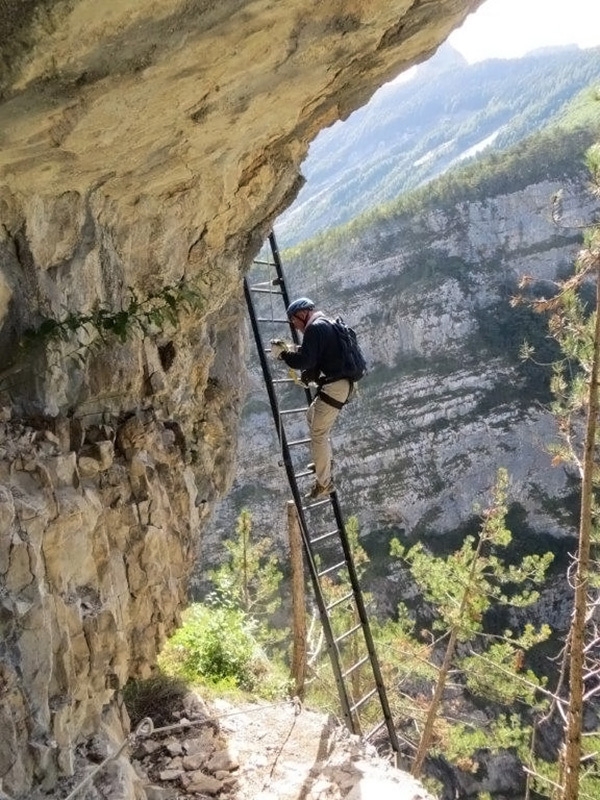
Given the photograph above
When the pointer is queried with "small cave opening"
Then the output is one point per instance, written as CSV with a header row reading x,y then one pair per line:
x,y
166,353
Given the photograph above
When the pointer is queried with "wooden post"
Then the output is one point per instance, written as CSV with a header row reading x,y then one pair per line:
x,y
298,602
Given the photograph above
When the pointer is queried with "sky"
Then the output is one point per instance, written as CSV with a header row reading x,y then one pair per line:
x,y
511,28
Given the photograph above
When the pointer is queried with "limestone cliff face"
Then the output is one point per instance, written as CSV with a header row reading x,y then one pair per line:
x,y
143,144
447,401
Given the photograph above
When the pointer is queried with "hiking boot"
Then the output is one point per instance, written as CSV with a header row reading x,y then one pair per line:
x,y
318,490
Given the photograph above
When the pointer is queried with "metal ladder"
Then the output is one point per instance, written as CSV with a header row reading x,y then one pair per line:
x,y
327,549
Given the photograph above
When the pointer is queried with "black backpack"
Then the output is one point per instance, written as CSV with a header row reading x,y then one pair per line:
x,y
355,366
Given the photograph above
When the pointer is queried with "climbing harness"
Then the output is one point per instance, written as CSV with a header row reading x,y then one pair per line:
x,y
331,401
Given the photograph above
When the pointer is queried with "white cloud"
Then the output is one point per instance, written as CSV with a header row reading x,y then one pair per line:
x,y
511,28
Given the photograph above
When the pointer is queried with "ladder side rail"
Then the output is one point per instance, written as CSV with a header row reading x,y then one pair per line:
x,y
279,269
286,298
364,620
330,638
313,571
281,282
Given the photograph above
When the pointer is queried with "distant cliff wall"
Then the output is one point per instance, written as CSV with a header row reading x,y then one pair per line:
x,y
448,400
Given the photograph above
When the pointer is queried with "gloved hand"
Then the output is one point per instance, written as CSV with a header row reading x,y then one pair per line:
x,y
310,377
278,346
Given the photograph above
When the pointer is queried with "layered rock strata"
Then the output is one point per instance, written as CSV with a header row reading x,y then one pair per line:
x,y
447,400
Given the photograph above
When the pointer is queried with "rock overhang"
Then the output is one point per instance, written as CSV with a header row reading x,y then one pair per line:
x,y
216,100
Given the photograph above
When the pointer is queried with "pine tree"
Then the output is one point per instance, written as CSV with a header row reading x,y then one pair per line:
x,y
589,262
575,324
463,587
250,578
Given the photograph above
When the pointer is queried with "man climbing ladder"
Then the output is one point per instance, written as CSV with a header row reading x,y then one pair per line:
x,y
322,359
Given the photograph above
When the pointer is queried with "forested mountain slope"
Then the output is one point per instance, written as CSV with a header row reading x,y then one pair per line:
x,y
414,130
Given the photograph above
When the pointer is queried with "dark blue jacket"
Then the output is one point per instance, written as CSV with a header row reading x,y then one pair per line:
x,y
320,351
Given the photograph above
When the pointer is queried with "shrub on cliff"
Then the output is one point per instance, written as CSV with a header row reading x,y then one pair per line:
x,y
216,645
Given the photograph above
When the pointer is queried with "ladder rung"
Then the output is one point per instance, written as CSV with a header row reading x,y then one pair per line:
x,y
292,411
317,503
363,700
374,730
332,569
324,536
261,263
348,633
354,667
305,473
342,599
259,290
297,442
273,319
283,380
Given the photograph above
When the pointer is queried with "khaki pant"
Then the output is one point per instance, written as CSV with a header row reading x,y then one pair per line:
x,y
321,417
